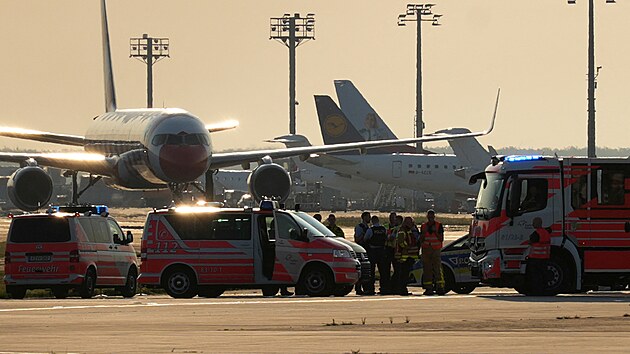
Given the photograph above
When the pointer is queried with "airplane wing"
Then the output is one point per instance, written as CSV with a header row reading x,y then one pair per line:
x,y
45,137
217,127
220,160
79,161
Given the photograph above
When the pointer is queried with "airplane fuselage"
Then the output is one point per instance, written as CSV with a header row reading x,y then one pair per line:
x,y
154,147
430,173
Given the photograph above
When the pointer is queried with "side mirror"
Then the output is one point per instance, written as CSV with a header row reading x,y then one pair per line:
x,y
117,239
129,237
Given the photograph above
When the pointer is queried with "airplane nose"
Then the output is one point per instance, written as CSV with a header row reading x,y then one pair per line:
x,y
183,163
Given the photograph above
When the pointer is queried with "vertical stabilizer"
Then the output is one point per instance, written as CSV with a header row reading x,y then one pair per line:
x,y
359,112
468,150
110,93
337,129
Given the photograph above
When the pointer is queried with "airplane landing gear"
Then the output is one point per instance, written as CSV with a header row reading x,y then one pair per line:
x,y
75,185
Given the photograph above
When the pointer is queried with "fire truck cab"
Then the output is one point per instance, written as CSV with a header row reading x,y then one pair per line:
x,y
583,202
203,251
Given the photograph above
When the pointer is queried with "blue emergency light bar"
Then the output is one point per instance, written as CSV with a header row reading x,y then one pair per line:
x,y
269,205
94,209
520,158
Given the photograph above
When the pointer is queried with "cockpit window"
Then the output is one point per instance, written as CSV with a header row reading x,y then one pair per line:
x,y
180,139
159,139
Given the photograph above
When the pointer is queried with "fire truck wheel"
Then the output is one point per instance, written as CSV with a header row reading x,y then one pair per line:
x,y
60,292
86,290
180,283
210,291
16,292
343,290
131,285
316,281
555,277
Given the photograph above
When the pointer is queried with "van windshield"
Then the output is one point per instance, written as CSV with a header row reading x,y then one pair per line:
x,y
314,227
40,229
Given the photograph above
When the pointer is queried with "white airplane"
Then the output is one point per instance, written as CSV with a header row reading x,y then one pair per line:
x,y
144,149
434,173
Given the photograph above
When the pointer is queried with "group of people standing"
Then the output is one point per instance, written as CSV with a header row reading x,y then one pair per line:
x,y
397,245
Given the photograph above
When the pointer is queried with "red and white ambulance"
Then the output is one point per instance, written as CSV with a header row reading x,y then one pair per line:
x,y
583,202
202,251
69,248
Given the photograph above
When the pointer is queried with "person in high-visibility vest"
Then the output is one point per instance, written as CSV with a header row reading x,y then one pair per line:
x,y
405,254
539,253
431,239
392,230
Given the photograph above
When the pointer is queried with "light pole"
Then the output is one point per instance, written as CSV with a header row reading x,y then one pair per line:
x,y
149,50
292,31
418,13
592,84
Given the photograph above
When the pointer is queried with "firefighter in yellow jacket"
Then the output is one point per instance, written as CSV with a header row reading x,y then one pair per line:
x,y
431,239
405,254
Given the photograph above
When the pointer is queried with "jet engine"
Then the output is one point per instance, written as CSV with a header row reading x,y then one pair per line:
x,y
30,188
269,180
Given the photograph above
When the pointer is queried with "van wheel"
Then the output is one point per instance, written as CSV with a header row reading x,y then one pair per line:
x,y
16,292
317,281
210,291
270,290
180,283
60,292
343,290
131,286
86,290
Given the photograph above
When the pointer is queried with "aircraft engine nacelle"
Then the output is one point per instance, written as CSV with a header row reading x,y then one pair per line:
x,y
30,188
271,181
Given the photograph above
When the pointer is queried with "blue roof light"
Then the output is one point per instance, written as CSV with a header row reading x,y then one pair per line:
x,y
520,158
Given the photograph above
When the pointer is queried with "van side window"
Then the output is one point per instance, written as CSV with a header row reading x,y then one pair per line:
x,y
211,226
87,228
231,227
287,227
101,230
114,229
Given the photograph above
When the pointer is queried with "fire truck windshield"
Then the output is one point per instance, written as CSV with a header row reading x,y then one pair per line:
x,y
488,200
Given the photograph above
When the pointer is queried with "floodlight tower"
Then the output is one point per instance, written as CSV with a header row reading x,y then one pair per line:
x,y
592,84
419,13
149,50
292,31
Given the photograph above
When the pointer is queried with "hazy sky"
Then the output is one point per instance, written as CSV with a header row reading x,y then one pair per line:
x,y
223,65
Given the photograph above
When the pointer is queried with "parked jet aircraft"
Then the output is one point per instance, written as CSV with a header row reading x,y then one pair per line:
x,y
151,149
436,173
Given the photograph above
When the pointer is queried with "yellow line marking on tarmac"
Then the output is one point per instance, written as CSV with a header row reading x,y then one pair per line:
x,y
239,302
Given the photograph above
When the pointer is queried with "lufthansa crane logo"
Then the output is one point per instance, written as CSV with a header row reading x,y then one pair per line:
x,y
335,125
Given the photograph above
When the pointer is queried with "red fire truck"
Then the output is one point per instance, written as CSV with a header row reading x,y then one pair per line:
x,y
583,202
202,251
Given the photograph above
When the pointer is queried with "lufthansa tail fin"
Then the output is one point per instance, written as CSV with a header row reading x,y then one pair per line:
x,y
359,112
110,93
335,127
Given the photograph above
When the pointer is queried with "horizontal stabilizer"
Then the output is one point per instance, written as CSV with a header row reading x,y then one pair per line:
x,y
291,140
